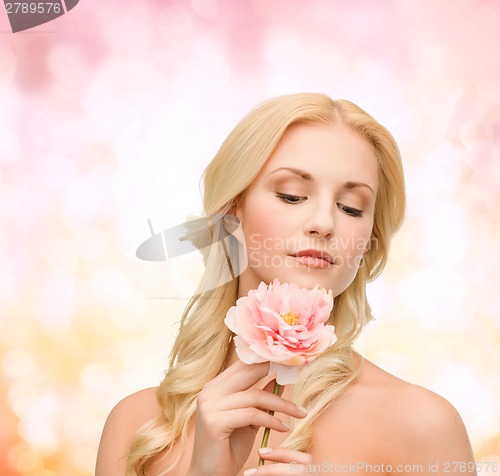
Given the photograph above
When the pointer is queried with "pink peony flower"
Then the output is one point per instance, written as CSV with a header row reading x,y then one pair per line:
x,y
283,324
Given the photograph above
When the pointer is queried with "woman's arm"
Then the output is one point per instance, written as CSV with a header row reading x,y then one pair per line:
x,y
121,425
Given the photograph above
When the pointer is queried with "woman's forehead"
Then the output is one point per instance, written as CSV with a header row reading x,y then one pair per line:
x,y
311,150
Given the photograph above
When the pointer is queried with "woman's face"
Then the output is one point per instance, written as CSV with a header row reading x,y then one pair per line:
x,y
308,216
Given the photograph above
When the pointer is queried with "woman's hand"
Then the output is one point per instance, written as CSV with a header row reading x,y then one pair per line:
x,y
229,414
287,462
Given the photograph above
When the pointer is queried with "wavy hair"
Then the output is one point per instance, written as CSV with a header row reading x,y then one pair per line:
x,y
200,350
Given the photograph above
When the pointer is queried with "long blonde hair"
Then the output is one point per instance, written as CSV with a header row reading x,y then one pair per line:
x,y
200,349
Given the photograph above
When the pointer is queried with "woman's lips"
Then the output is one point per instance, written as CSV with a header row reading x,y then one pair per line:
x,y
312,261
314,258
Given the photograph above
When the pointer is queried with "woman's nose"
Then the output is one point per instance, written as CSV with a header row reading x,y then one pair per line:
x,y
320,223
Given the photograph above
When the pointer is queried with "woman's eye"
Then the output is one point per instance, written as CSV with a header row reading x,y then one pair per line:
x,y
354,212
290,198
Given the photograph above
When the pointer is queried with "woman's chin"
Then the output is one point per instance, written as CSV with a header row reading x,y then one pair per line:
x,y
305,279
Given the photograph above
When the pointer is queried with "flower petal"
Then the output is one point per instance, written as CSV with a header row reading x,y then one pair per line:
x,y
284,375
245,353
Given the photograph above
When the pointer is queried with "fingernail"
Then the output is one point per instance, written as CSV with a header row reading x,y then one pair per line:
x,y
286,425
302,410
249,472
265,451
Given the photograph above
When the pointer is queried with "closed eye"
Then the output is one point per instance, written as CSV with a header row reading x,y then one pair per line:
x,y
354,212
290,198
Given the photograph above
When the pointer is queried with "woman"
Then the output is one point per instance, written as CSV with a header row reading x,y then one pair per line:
x,y
317,186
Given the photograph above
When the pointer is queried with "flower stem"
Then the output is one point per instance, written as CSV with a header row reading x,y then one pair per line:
x,y
277,387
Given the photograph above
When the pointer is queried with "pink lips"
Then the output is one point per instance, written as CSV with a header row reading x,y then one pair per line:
x,y
315,258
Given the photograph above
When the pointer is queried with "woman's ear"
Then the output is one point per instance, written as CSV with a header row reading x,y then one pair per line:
x,y
368,245
235,205
232,222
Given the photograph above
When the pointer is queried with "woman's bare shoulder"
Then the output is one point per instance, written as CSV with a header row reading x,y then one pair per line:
x,y
139,406
124,420
409,399
379,390
408,422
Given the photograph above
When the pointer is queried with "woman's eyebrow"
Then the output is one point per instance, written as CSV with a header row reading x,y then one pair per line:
x,y
308,177
350,185
301,173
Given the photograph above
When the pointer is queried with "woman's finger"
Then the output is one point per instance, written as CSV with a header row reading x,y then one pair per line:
x,y
261,400
285,455
224,423
287,462
280,469
236,378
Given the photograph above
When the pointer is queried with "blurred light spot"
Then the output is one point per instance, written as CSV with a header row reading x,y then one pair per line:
x,y
78,427
58,253
439,297
133,17
72,427
4,244
489,90
10,198
393,362
44,472
67,137
56,171
216,71
485,178
91,245
7,63
38,423
176,31
461,385
479,154
99,122
281,46
445,236
9,143
142,366
81,204
7,278
110,285
95,378
284,83
28,463
128,76
66,63
54,307
18,364
84,460
93,429
40,133
474,130
441,173
205,8
21,397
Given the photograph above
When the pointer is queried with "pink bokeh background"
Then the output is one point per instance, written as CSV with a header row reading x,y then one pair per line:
x,y
108,116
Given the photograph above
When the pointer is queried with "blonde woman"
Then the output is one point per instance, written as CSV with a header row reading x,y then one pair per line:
x,y
317,186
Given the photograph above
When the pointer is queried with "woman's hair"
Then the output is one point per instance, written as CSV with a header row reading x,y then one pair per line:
x,y
200,349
